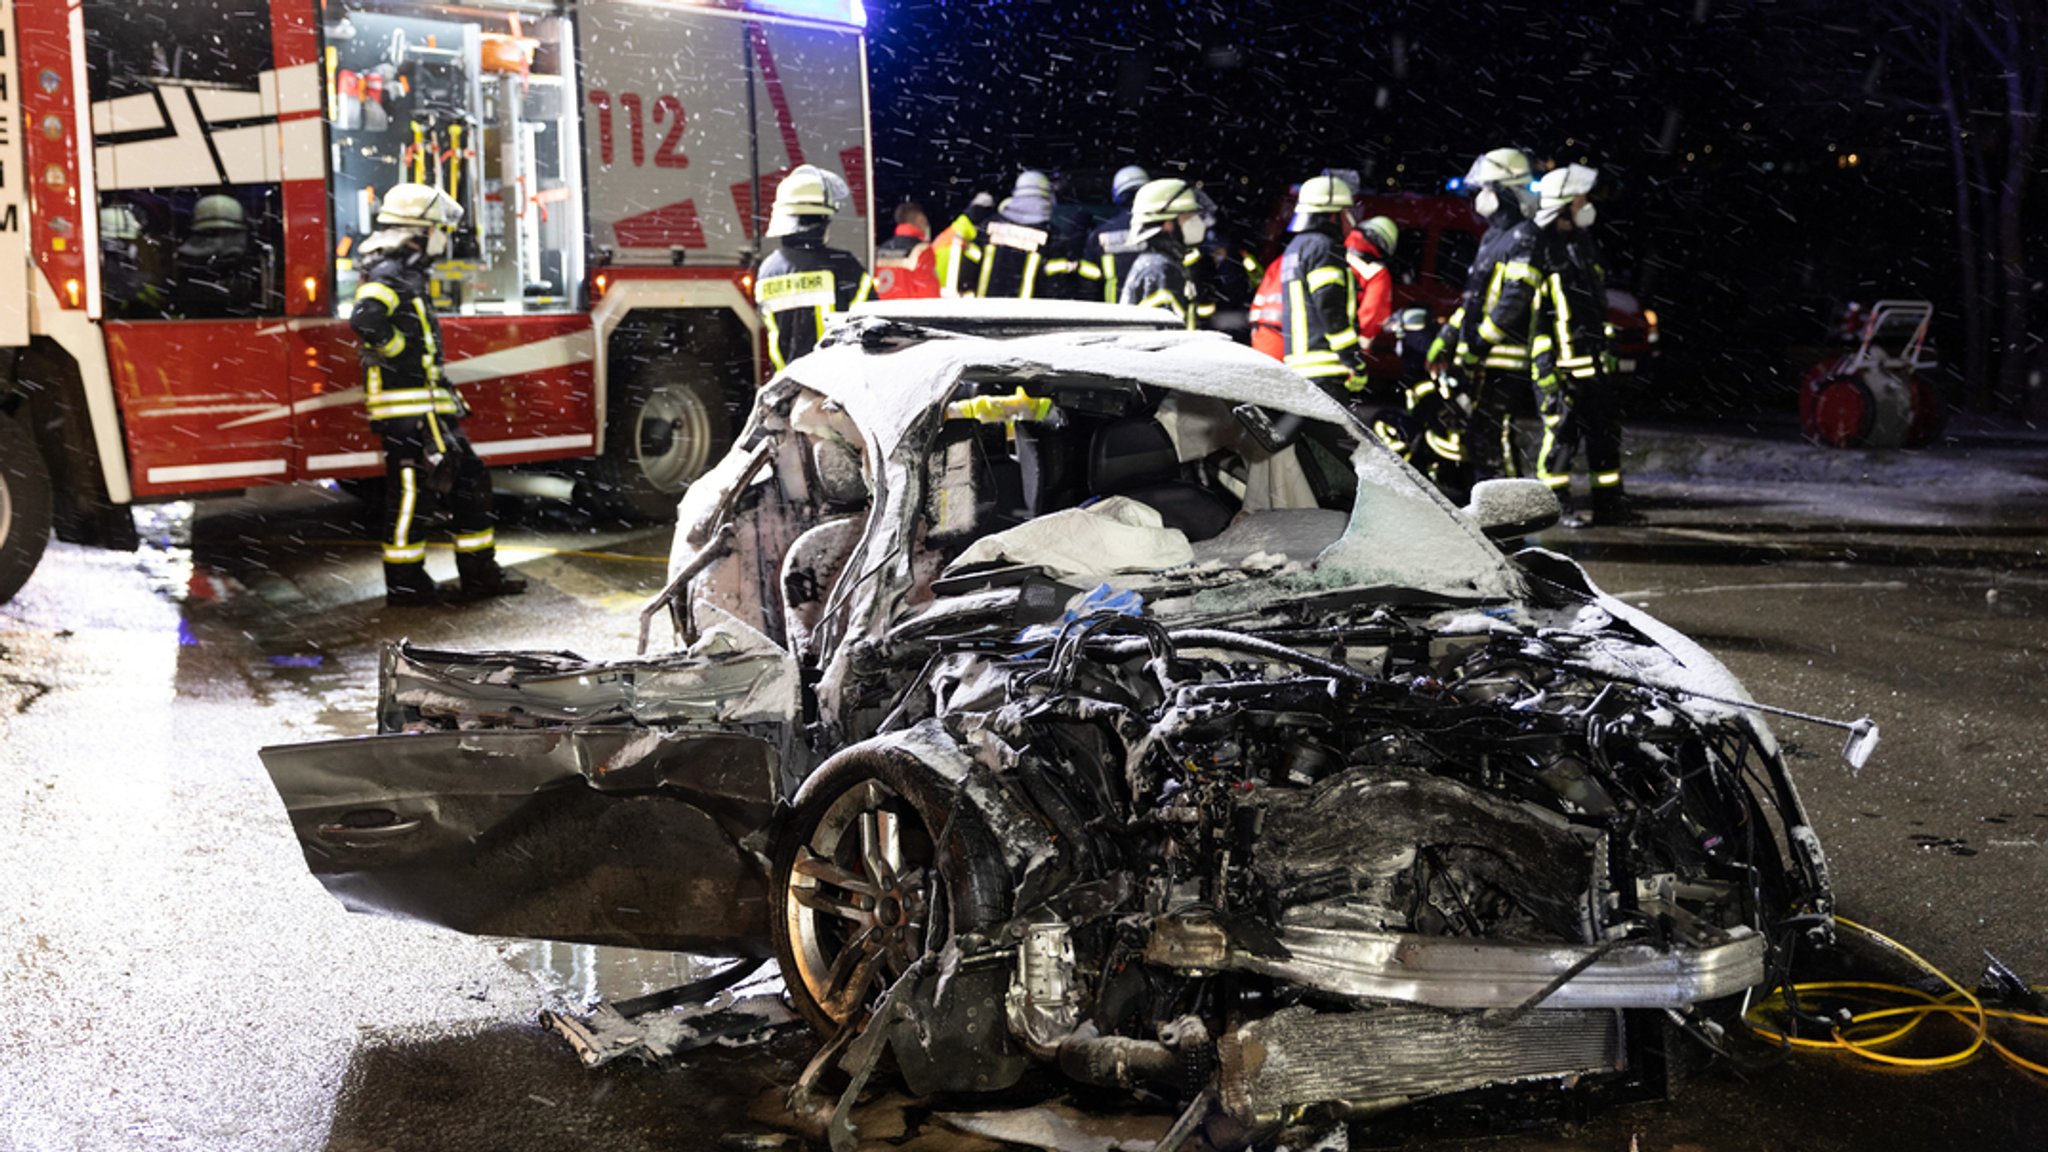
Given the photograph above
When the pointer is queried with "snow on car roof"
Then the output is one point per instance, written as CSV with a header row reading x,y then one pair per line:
x,y
889,385
972,312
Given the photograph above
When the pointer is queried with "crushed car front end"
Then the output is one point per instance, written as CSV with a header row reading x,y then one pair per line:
x,y
1111,702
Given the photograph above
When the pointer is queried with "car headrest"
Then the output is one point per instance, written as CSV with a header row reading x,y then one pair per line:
x,y
1129,454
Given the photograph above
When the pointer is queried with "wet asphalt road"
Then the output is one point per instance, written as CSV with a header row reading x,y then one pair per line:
x,y
173,979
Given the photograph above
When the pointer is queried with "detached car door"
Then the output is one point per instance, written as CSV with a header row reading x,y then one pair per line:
x,y
545,796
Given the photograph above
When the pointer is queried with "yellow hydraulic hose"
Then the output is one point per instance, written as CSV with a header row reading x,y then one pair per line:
x,y
1957,1004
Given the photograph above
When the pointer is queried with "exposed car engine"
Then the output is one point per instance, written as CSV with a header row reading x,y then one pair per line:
x,y
1248,850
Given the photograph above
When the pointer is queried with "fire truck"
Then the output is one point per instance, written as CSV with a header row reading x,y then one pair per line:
x,y
182,186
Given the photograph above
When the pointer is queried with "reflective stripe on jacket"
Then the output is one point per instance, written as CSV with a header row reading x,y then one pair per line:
x,y
392,319
1319,305
1159,279
1571,310
1493,320
799,286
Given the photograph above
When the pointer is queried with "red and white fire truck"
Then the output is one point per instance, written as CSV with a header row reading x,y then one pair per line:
x,y
182,184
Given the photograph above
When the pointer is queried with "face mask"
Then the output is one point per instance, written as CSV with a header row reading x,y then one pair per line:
x,y
1583,217
1192,230
437,243
1486,203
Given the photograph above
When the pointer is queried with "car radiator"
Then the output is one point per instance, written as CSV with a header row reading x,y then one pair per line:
x,y
1368,1061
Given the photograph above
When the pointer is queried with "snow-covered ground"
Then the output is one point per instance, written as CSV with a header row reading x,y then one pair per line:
x,y
1980,477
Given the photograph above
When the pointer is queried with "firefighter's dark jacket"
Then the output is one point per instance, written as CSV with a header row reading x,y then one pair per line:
x,y
1571,311
1027,261
1318,306
1107,256
401,341
802,283
1159,279
1491,326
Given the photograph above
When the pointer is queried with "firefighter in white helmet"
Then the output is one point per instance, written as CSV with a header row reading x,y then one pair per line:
x,y
427,460
805,280
1109,251
1575,392
1482,353
1166,221
1318,295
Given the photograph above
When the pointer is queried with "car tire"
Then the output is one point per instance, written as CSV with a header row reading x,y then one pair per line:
x,y
25,506
894,801
666,425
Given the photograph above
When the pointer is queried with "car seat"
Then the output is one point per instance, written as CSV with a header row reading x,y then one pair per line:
x,y
1136,458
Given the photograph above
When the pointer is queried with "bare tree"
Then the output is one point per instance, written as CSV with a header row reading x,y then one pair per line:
x,y
1994,52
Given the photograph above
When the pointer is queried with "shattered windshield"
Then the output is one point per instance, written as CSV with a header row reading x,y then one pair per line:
x,y
1151,460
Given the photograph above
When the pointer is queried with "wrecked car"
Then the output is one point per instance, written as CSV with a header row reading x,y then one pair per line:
x,y
1053,690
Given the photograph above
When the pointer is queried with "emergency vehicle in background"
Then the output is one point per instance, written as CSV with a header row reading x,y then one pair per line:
x,y
181,188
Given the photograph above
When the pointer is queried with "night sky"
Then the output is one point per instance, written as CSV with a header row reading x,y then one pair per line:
x,y
1725,131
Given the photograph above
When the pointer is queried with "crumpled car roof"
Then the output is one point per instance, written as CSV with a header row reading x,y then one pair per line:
x,y
1402,532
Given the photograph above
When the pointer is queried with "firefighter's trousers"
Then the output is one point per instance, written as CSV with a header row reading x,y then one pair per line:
x,y
1489,434
430,468
1594,417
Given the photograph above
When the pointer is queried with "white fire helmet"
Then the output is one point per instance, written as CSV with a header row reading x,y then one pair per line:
x,y
1559,187
1161,201
1031,200
418,206
1384,234
806,195
1319,196
1501,170
1128,179
1500,166
412,209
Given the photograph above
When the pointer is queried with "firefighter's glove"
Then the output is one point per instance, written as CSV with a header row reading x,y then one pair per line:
x,y
1610,365
371,358
1552,403
1355,382
1456,389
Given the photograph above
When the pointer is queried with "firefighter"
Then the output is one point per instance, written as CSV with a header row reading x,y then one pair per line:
x,y
806,280
1024,255
905,267
1369,249
1318,295
1225,283
1109,251
1222,272
1482,353
1266,313
219,271
1166,224
427,461
956,254
130,286
1575,392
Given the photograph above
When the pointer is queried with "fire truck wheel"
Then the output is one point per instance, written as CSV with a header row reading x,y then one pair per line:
x,y
24,506
665,428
